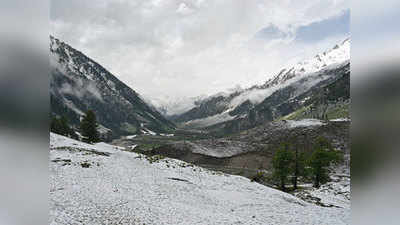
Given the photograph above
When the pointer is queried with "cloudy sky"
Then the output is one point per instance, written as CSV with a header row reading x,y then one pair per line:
x,y
170,49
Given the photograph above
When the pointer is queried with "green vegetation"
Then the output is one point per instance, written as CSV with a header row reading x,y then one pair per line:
x,y
154,158
298,114
88,127
299,167
147,147
60,126
281,163
259,177
320,160
129,128
288,162
340,111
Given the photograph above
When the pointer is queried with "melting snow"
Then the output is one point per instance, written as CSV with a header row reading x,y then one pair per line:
x,y
132,146
340,120
167,135
304,123
147,131
130,136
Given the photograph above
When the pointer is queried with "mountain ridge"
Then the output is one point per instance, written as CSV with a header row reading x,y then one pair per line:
x,y
239,104
78,83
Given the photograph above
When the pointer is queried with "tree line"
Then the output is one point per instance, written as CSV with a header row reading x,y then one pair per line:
x,y
87,127
289,164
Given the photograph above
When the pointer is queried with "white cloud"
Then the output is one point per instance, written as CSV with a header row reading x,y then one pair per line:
x,y
184,9
187,47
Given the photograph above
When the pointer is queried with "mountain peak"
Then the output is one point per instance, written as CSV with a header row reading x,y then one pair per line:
x,y
337,55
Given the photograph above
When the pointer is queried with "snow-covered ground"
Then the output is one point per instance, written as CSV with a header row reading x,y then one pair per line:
x,y
101,184
335,193
130,136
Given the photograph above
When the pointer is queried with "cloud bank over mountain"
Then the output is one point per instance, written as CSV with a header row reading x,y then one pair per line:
x,y
194,47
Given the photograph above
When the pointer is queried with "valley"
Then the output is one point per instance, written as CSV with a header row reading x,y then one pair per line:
x,y
219,153
245,153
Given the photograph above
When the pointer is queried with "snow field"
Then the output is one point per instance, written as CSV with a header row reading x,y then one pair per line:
x,y
124,188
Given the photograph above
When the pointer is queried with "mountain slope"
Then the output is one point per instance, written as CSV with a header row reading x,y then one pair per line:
x,y
102,184
77,84
279,96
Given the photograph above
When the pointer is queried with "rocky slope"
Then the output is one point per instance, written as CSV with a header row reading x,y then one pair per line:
x,y
78,83
249,151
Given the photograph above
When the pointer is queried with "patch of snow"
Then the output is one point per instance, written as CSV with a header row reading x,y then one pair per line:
x,y
132,147
111,85
102,129
125,188
148,132
340,120
304,123
130,136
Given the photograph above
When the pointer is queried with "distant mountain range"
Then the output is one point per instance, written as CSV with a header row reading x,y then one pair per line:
x,y
78,84
316,88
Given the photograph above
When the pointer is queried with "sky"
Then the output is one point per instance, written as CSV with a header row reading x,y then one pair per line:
x,y
169,50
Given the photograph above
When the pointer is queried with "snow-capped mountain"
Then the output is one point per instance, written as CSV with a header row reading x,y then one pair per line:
x,y
78,84
169,106
260,101
338,54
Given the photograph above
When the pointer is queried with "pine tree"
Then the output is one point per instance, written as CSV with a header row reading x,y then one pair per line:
x,y
299,167
88,127
282,165
322,157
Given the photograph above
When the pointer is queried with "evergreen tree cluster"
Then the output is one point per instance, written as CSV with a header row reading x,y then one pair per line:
x,y
60,126
289,163
88,127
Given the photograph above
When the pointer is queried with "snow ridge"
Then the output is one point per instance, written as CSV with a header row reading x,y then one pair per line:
x,y
335,57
